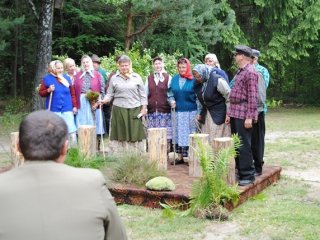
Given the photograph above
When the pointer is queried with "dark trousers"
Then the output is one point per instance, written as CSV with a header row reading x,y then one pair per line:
x,y
244,160
257,142
107,114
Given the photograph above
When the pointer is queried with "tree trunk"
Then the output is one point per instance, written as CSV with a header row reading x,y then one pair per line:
x,y
44,52
129,30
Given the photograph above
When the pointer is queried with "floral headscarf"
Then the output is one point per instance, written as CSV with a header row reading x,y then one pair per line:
x,y
188,74
203,70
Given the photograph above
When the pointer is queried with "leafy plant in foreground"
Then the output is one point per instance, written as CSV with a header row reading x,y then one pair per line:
x,y
211,191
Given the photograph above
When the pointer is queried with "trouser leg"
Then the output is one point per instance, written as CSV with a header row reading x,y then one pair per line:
x,y
107,114
244,160
258,142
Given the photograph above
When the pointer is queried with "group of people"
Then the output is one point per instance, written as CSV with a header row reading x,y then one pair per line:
x,y
198,99
35,196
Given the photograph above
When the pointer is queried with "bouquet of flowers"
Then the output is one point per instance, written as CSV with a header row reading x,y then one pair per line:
x,y
92,97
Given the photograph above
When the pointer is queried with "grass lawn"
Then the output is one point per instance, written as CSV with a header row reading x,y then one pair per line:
x,y
286,210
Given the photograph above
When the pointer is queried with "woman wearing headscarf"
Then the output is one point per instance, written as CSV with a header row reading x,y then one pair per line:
x,y
60,96
70,68
212,61
129,105
159,110
89,112
182,99
213,93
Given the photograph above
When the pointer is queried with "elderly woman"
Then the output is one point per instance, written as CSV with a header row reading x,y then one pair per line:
x,y
70,68
212,61
127,92
60,97
86,80
213,93
183,99
159,110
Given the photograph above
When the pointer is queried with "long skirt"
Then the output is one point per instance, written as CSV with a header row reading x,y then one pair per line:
x,y
161,120
126,131
184,125
85,115
125,125
214,130
68,117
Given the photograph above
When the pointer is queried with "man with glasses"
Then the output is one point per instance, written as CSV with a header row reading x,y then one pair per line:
x,y
243,111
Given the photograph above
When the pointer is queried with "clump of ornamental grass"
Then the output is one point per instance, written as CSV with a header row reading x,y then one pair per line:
x,y
134,168
76,159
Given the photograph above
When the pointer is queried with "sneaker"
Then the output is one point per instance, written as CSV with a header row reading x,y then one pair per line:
x,y
245,182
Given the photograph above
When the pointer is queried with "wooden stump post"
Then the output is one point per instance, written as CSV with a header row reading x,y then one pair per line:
x,y
157,147
194,164
221,143
16,156
87,141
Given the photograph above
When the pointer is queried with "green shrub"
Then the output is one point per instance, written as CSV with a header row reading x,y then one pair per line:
x,y
141,60
134,168
75,159
17,105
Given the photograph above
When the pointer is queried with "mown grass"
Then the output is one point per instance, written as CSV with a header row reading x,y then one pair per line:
x,y
283,211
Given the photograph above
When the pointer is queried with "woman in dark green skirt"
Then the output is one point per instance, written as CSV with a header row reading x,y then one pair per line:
x,y
126,90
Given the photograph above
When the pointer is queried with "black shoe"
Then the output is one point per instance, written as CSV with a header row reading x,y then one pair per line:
x,y
177,161
245,182
257,174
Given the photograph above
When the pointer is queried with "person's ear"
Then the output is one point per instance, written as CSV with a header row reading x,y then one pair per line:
x,y
63,152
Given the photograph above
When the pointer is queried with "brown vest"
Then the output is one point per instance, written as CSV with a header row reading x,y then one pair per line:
x,y
157,98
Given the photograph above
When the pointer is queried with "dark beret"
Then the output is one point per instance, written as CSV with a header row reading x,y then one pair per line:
x,y
242,49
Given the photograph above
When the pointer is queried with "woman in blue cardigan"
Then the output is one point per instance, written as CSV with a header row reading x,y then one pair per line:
x,y
182,99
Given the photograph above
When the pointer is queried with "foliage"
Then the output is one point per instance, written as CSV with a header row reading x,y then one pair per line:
x,y
17,105
160,184
211,191
135,168
141,60
75,159
273,103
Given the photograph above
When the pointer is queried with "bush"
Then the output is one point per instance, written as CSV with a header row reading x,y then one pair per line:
x,y
75,159
134,168
17,105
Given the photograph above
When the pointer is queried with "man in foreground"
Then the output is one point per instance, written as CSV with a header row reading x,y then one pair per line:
x,y
45,199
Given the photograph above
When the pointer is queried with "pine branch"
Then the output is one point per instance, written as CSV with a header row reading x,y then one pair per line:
x,y
34,9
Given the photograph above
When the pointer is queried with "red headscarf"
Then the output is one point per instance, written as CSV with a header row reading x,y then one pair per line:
x,y
188,74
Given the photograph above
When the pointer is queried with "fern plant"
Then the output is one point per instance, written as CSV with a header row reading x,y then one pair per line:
x,y
211,191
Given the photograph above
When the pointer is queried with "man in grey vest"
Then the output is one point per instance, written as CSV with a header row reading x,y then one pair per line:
x,y
259,129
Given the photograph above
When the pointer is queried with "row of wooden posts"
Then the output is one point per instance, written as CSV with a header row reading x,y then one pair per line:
x,y
157,149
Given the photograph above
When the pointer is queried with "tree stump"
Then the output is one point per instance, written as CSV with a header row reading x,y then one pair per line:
x,y
87,141
194,163
221,143
16,156
157,147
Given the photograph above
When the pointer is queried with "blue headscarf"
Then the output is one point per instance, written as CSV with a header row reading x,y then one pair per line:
x,y
203,70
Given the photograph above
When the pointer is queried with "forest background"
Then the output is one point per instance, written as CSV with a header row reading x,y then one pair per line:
x,y
286,32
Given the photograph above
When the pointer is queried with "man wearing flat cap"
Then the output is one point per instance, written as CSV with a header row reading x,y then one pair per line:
x,y
106,107
243,111
258,135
